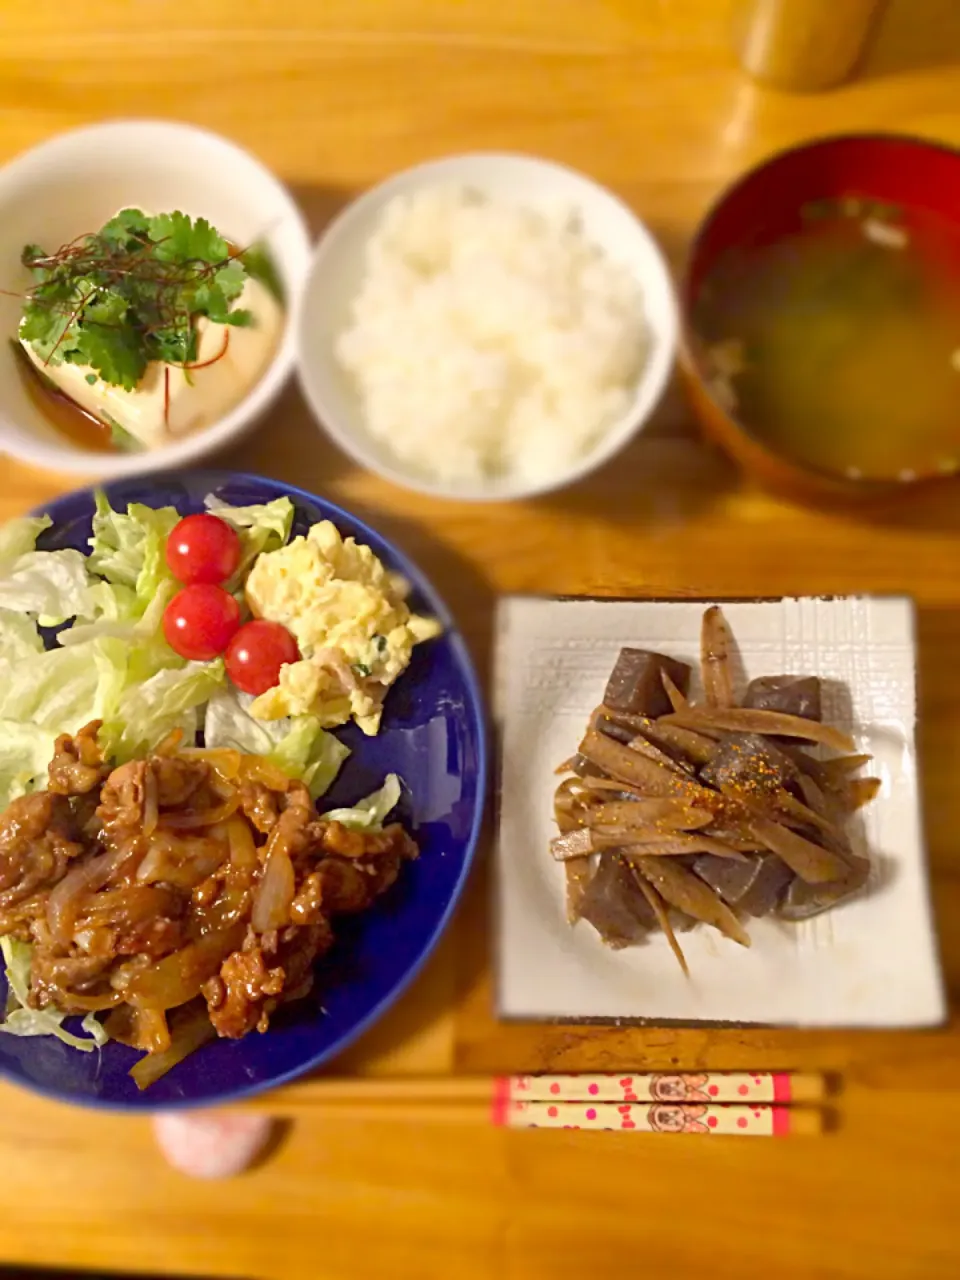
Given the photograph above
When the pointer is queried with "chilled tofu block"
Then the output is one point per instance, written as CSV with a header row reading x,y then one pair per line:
x,y
170,401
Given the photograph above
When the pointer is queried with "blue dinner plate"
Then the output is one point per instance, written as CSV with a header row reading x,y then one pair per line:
x,y
433,736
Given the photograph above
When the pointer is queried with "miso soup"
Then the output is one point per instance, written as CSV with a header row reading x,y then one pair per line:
x,y
839,345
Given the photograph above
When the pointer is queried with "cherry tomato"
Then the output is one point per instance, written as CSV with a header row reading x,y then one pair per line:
x,y
202,548
200,620
256,654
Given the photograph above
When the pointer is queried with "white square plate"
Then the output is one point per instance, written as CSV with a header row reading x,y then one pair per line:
x,y
871,962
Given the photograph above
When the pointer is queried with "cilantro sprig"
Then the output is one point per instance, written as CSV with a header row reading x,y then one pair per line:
x,y
130,294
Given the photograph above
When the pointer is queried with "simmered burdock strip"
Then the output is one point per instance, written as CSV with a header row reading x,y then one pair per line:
x,y
715,646
640,772
681,888
811,862
710,808
746,720
684,746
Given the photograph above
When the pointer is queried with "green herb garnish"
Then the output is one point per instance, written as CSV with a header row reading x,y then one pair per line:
x,y
261,267
130,294
361,669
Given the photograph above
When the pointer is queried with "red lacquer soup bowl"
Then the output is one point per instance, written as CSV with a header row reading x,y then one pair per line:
x,y
921,179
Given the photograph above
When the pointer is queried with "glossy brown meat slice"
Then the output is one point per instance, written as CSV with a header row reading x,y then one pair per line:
x,y
150,887
615,904
335,838
269,969
55,980
344,887
178,779
259,804
793,695
299,949
122,800
36,845
245,991
636,683
77,767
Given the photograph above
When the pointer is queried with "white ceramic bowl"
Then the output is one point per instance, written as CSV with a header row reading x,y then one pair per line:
x,y
337,270
74,183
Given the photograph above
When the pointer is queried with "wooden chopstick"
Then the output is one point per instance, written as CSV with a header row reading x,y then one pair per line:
x,y
780,1087
750,1103
732,1119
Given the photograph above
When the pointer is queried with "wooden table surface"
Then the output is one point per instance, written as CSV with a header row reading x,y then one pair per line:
x,y
646,96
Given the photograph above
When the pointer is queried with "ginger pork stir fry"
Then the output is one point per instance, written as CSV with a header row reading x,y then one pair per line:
x,y
181,895
678,813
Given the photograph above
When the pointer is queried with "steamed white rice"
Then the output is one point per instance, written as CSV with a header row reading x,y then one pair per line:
x,y
489,340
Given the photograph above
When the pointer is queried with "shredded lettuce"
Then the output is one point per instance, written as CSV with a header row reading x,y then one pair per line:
x,y
42,694
54,585
19,536
117,613
112,602
129,548
21,1020
261,528
19,637
62,689
297,745
369,814
25,752
170,699
311,754
272,518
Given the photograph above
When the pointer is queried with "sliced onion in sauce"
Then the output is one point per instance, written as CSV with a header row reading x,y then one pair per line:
x,y
151,804
64,900
271,904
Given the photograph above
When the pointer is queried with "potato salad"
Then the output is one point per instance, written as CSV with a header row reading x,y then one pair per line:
x,y
350,620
